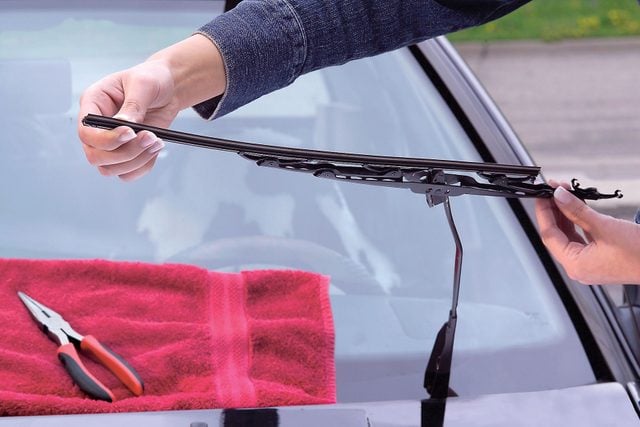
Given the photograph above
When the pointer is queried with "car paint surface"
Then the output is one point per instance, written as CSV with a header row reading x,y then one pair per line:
x,y
597,405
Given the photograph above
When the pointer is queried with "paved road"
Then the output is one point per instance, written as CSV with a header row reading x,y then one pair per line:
x,y
575,105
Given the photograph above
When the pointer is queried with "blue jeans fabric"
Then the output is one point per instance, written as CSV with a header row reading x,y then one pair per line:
x,y
267,44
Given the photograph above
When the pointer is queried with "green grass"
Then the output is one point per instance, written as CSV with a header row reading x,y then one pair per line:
x,y
560,19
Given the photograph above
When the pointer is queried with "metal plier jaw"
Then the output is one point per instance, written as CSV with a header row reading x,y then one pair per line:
x,y
51,323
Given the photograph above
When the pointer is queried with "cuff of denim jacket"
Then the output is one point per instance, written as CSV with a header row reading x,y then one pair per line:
x,y
263,49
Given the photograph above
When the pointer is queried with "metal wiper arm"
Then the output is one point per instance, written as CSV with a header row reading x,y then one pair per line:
x,y
436,179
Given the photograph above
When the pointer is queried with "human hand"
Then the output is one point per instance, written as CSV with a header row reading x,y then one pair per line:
x,y
144,93
153,93
609,251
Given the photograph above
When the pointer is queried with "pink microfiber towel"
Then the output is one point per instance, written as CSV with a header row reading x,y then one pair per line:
x,y
199,339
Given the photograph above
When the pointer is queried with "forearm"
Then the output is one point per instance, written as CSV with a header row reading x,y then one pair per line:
x,y
196,68
267,44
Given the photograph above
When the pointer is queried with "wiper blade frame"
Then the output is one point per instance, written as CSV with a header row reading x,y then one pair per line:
x,y
435,178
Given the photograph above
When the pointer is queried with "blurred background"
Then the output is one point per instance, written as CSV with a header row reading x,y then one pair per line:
x,y
566,74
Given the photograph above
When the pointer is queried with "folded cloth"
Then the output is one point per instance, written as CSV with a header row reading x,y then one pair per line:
x,y
199,339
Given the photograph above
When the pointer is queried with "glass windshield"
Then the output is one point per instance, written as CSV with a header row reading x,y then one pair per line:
x,y
390,257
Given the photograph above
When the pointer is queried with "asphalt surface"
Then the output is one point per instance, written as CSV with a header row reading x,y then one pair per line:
x,y
575,106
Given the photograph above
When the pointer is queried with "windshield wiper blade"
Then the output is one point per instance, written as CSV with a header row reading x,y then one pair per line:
x,y
434,178
438,180
202,141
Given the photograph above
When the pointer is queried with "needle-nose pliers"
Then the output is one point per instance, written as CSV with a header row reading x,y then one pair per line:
x,y
71,341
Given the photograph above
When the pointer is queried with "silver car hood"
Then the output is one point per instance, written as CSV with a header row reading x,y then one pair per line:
x,y
596,405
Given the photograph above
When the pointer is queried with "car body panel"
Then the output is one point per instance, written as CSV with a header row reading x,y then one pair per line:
x,y
597,405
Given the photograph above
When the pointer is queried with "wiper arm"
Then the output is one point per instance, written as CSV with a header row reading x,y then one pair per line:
x,y
438,180
434,178
438,371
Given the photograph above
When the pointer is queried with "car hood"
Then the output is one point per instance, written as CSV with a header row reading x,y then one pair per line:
x,y
596,405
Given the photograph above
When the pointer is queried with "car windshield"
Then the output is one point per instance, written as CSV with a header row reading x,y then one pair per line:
x,y
390,257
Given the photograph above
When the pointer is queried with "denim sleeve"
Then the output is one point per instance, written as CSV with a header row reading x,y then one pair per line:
x,y
267,44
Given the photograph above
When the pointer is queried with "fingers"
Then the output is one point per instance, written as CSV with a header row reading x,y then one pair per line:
x,y
123,153
557,219
133,175
552,235
140,94
127,158
139,153
576,210
132,169
142,89
565,249
103,98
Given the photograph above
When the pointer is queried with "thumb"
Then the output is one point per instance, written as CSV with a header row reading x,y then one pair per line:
x,y
138,97
576,210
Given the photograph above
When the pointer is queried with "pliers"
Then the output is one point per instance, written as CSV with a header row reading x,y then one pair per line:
x,y
70,341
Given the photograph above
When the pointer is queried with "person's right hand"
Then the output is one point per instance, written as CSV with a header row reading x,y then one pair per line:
x,y
144,93
153,92
607,253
